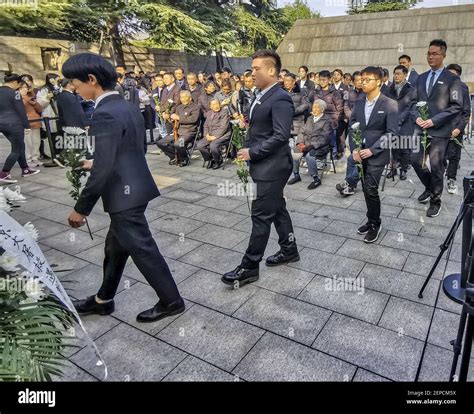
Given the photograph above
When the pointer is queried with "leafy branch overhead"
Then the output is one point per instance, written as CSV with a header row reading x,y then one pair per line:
x,y
195,26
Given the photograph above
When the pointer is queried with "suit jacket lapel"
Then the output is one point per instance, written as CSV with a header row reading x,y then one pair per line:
x,y
440,78
262,100
374,111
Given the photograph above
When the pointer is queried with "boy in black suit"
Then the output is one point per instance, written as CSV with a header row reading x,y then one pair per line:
x,y
377,119
442,91
271,163
120,176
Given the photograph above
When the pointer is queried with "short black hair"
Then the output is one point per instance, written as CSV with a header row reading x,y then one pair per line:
x,y
356,73
325,74
347,75
440,43
402,68
372,70
305,68
291,75
385,72
11,77
169,74
455,67
158,75
64,82
339,71
269,54
405,57
226,69
82,65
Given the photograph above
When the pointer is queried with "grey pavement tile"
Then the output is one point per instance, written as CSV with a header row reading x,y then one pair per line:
x,y
326,264
126,352
444,328
387,210
218,236
206,288
379,350
175,224
278,359
64,262
219,217
180,208
72,241
363,375
220,203
174,246
294,319
407,318
372,253
72,373
301,206
342,214
345,297
212,336
421,264
308,221
193,369
185,195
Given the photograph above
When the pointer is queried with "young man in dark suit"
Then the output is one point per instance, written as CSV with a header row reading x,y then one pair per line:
x,y
453,152
377,116
402,92
70,111
304,82
120,176
412,77
442,91
271,163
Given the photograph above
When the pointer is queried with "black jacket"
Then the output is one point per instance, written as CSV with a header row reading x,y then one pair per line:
x,y
463,117
406,123
217,124
268,136
70,111
444,102
120,173
382,125
352,96
302,107
12,110
334,102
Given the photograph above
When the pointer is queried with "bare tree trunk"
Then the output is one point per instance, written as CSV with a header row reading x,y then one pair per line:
x,y
116,41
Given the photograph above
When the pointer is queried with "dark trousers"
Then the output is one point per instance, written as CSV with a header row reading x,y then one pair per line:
x,y
453,156
433,181
129,235
16,135
212,149
172,148
269,207
402,156
341,136
370,185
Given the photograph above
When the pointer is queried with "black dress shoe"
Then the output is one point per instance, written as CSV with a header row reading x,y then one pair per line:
x,y
314,184
403,175
294,180
160,311
217,165
210,164
280,258
241,276
184,163
89,306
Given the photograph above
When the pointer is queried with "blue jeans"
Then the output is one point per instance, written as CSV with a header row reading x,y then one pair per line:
x,y
310,158
352,172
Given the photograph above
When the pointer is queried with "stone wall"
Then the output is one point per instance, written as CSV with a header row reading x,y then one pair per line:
x,y
353,42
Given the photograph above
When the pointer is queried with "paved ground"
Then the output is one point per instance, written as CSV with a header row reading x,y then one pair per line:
x,y
295,323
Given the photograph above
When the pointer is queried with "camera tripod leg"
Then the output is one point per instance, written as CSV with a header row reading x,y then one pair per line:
x,y
466,354
457,345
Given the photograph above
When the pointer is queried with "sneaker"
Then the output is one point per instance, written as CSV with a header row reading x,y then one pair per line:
x,y
5,177
433,210
403,175
294,180
373,233
315,183
28,171
342,185
348,191
424,197
364,228
36,163
452,187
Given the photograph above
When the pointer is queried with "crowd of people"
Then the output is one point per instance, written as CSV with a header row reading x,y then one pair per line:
x,y
193,111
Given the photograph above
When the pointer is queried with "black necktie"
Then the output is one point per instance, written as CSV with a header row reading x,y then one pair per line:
x,y
430,85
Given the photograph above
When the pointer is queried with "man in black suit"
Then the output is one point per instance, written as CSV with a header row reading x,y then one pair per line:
x,y
405,60
120,176
442,91
270,160
377,116
402,92
453,152
70,111
386,82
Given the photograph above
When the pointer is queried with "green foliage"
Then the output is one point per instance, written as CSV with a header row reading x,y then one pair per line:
x,y
378,6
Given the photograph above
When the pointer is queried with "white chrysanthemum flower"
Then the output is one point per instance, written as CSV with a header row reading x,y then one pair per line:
x,y
74,131
170,101
420,104
34,289
8,263
4,206
32,230
13,195
355,125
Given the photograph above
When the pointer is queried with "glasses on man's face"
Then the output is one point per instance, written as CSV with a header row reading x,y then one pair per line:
x,y
367,80
434,54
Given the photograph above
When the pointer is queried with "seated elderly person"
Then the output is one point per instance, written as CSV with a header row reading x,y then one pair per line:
x,y
313,143
216,133
187,115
